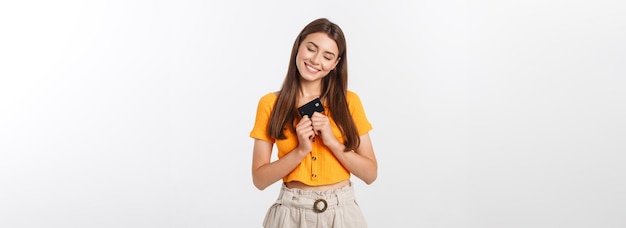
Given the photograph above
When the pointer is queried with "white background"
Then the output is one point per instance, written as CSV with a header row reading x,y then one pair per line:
x,y
485,113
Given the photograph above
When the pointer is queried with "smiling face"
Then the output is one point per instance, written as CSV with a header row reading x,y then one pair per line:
x,y
317,56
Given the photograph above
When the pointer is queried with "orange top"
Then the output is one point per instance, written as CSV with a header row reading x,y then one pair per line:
x,y
320,167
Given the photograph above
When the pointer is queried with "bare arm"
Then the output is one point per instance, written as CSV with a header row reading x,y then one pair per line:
x,y
360,162
264,172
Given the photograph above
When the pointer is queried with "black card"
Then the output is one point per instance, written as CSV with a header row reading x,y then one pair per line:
x,y
309,108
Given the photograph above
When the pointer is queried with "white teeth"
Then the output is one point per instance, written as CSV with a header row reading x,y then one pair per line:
x,y
311,68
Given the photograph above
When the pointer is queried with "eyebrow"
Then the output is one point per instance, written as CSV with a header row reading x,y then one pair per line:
x,y
311,42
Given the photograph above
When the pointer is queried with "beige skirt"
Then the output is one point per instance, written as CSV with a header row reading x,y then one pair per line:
x,y
297,208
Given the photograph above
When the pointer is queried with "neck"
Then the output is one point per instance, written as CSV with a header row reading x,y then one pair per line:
x,y
310,90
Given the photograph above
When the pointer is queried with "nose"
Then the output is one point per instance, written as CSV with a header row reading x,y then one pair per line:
x,y
315,59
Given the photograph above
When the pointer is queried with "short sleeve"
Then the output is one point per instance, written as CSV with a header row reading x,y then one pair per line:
x,y
358,113
263,112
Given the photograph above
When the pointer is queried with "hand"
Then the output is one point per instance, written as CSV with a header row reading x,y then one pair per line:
x,y
305,133
321,126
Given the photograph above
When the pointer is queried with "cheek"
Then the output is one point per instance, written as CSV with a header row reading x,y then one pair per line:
x,y
298,57
328,65
301,55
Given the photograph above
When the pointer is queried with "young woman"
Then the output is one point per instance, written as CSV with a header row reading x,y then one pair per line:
x,y
317,154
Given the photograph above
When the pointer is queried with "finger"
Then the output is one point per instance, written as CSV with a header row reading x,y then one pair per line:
x,y
305,132
312,135
318,114
305,119
318,125
304,124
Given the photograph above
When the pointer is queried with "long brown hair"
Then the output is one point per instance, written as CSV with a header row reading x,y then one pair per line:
x,y
334,88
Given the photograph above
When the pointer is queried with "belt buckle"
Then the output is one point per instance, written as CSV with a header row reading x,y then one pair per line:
x,y
317,209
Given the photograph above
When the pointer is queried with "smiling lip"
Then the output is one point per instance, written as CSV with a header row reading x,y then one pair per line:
x,y
311,69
